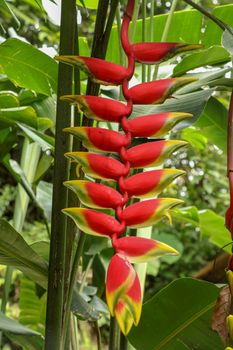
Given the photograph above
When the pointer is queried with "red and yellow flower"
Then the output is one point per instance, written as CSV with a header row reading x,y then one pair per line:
x,y
123,290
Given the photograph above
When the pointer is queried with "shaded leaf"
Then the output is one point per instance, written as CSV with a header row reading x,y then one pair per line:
x,y
14,251
12,326
221,311
213,123
10,116
182,318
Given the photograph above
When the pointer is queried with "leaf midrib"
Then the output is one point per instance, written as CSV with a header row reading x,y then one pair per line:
x,y
183,326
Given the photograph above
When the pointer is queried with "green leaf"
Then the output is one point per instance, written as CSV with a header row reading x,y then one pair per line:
x,y
179,31
213,34
32,308
12,326
178,318
193,103
4,7
46,142
227,41
35,70
194,137
8,99
42,249
188,214
27,342
211,56
90,4
7,140
25,115
44,197
213,123
14,251
212,226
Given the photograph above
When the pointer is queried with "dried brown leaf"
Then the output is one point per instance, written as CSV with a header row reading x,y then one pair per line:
x,y
221,311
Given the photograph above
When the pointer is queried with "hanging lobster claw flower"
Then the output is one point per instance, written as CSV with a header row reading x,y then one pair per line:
x,y
99,108
147,213
155,125
94,222
157,91
98,166
152,153
129,308
151,53
99,139
150,183
120,278
100,71
95,195
140,250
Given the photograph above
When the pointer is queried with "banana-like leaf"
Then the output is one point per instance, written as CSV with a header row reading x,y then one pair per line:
x,y
178,318
14,251
35,70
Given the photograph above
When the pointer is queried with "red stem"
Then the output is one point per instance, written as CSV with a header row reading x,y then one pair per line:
x,y
230,150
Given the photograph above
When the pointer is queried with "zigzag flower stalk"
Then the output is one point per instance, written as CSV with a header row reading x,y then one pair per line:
x,y
123,291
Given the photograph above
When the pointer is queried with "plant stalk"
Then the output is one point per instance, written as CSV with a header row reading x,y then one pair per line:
x,y
54,316
114,334
166,31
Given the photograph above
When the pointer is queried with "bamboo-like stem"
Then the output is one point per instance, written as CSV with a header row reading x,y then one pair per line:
x,y
101,37
166,31
98,335
151,33
114,335
144,3
134,20
123,342
54,315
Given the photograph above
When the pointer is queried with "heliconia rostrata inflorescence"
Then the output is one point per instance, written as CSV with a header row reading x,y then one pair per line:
x,y
123,291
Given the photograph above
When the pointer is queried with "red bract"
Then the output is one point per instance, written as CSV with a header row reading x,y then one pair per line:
x,y
157,52
99,108
157,91
95,195
148,184
99,139
94,222
99,166
152,153
147,213
99,70
155,125
123,291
